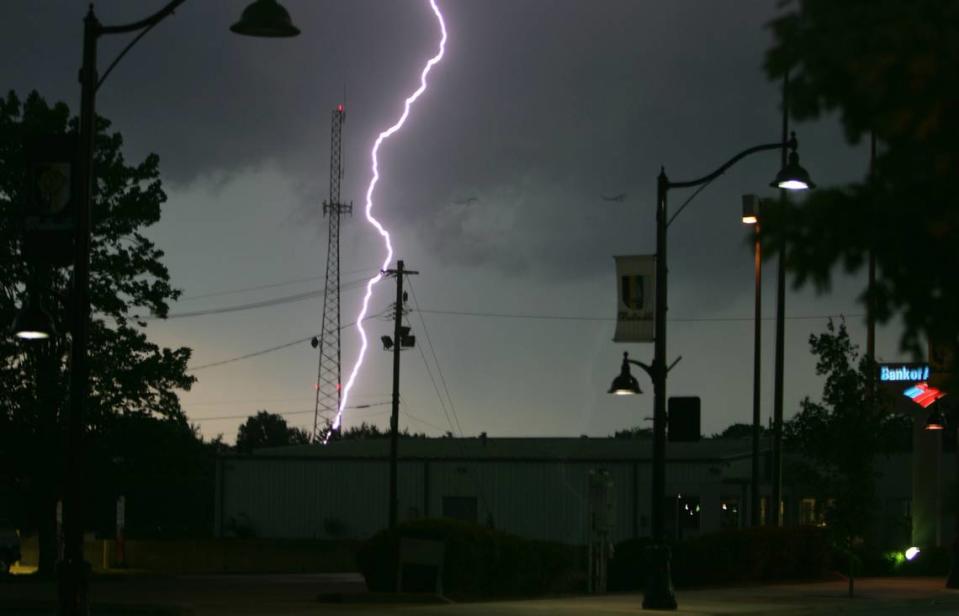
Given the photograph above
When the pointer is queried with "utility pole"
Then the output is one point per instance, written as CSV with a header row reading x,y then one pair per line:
x,y
778,383
754,496
401,339
871,290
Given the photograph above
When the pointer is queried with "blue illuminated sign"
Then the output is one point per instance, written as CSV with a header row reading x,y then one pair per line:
x,y
913,373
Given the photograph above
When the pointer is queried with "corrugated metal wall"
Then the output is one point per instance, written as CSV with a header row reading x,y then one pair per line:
x,y
303,497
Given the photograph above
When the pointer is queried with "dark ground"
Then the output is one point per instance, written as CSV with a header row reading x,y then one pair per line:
x,y
289,595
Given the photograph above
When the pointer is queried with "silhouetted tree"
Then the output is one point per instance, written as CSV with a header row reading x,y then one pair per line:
x,y
162,467
369,431
841,437
129,374
634,432
883,66
739,430
267,429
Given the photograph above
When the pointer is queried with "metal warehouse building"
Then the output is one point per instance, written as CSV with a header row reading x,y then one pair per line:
x,y
540,488
534,487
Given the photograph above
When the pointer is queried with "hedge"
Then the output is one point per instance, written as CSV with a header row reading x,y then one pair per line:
x,y
478,561
730,557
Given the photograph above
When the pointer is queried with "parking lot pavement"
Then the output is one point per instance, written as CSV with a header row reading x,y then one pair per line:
x,y
296,595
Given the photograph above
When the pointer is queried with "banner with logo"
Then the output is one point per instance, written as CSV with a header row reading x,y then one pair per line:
x,y
635,298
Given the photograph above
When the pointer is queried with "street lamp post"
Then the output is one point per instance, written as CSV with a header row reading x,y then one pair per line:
x,y
659,588
261,18
936,422
751,217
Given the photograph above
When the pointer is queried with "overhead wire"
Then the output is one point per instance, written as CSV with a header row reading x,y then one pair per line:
x,y
436,361
272,349
283,413
298,297
189,298
555,317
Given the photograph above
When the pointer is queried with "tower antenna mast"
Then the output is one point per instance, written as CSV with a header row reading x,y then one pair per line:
x,y
328,384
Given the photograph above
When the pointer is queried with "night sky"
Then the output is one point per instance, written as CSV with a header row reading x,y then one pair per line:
x,y
538,109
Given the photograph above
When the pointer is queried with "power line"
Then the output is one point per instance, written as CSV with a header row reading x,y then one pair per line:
x,y
258,353
501,315
554,317
190,298
436,389
436,361
270,400
298,297
406,413
283,413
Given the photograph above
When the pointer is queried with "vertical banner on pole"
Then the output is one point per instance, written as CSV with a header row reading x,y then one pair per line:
x,y
635,298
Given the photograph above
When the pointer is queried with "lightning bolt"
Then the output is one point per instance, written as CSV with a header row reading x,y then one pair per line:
x,y
375,167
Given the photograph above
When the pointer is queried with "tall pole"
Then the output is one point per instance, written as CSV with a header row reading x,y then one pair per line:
x,y
395,415
73,572
757,367
780,336
871,289
659,587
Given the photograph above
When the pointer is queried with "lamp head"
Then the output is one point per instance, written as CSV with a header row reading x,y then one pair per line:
x,y
750,209
33,322
793,176
265,18
625,384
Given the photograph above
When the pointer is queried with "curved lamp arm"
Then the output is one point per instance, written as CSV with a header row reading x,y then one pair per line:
x,y
147,22
144,26
646,367
649,369
732,161
704,181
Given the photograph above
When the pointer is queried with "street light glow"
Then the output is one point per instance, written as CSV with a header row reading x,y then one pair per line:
x,y
32,335
793,185
912,552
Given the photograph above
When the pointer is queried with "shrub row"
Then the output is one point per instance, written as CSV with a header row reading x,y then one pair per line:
x,y
729,557
930,562
478,561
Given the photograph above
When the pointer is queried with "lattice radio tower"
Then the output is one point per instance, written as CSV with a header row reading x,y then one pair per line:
x,y
328,384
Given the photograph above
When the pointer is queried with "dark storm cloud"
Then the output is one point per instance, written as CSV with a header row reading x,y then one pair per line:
x,y
537,109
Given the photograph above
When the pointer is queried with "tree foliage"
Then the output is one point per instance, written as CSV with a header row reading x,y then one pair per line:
x,y
636,432
368,431
267,429
841,437
739,431
885,67
129,375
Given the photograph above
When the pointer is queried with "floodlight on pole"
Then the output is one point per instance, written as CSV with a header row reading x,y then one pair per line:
x,y
750,209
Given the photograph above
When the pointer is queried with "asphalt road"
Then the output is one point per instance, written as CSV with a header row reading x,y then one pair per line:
x,y
294,595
